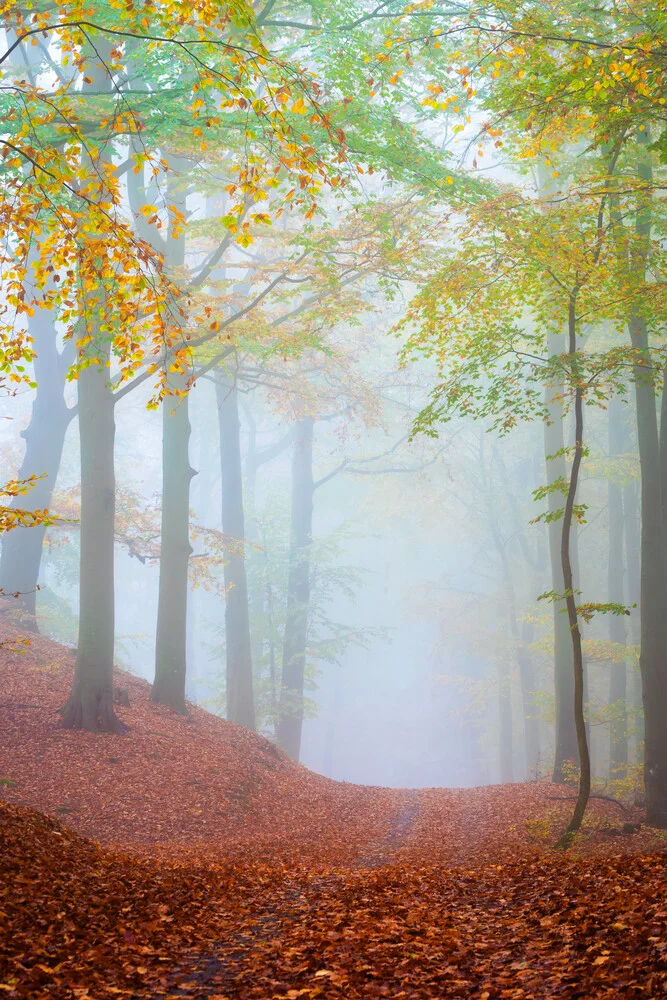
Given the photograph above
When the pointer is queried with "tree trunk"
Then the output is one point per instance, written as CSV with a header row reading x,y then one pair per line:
x,y
653,601
90,705
653,656
520,637
171,634
506,754
290,721
240,698
531,732
170,642
566,752
21,556
257,586
631,526
618,732
568,580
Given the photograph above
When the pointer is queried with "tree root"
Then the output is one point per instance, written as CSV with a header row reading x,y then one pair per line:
x,y
593,795
93,713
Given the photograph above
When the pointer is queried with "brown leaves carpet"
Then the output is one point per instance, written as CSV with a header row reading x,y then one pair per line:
x,y
190,859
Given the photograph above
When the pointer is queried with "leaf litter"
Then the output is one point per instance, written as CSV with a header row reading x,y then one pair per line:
x,y
193,859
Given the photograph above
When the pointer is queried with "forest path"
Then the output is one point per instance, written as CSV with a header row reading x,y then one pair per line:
x,y
224,972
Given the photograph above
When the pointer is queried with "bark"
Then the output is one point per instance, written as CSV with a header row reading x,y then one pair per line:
x,y
653,601
520,636
257,594
171,634
90,705
632,530
261,598
21,556
505,721
618,734
568,580
566,751
531,730
290,721
240,698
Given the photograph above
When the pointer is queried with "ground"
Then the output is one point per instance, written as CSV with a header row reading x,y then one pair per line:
x,y
190,858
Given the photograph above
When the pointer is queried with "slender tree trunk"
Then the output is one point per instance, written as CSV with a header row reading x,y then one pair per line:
x,y
240,698
290,721
576,576
90,705
520,636
566,751
506,754
21,556
172,616
531,732
257,593
568,580
618,733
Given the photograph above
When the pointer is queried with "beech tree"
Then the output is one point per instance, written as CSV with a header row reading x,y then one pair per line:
x,y
599,79
566,260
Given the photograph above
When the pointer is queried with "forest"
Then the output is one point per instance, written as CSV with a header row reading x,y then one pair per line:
x,y
333,507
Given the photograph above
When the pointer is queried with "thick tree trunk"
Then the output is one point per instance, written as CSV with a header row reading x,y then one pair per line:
x,y
90,705
290,721
172,615
618,733
21,556
170,642
632,530
653,655
240,698
566,751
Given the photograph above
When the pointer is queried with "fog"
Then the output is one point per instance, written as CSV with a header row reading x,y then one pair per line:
x,y
411,661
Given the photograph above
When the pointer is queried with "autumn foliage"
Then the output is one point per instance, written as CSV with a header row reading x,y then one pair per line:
x,y
228,870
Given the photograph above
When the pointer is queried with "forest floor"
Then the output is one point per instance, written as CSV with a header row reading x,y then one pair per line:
x,y
190,859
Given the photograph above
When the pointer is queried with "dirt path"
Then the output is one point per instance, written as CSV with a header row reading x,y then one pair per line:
x,y
223,973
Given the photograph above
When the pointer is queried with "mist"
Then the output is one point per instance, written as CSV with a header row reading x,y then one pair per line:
x,y
333,512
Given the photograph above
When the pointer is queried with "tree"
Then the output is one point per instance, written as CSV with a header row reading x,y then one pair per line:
x,y
560,266
290,720
175,549
138,319
597,78
239,686
44,440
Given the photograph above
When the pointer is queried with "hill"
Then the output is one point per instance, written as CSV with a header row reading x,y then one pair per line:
x,y
191,859
177,781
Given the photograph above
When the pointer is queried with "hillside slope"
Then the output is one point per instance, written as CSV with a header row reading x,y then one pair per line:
x,y
226,871
172,780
